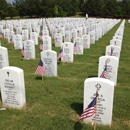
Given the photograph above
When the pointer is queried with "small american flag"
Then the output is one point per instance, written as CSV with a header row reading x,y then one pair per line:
x,y
41,46
89,111
56,41
75,48
112,51
40,37
104,73
10,41
65,38
22,52
40,68
60,54
0,35
78,33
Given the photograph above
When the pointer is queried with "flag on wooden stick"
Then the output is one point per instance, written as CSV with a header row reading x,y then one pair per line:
x,y
22,52
75,48
41,46
60,54
90,110
104,73
0,35
40,68
10,41
56,41
40,37
112,48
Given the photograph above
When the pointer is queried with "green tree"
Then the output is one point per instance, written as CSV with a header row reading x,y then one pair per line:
x,y
3,9
11,11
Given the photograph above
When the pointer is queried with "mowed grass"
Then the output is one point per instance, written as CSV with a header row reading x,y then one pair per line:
x,y
56,103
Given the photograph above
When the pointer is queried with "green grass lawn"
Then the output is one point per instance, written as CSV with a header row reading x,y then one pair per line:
x,y
56,103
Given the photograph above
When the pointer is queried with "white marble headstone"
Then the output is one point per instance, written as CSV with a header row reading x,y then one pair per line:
x,y
111,65
19,30
29,49
117,37
97,34
18,41
25,34
1,29
34,37
11,36
12,87
45,33
4,61
73,33
116,42
58,39
92,37
79,45
67,52
113,50
105,89
79,32
49,59
37,30
6,33
86,41
67,36
84,30
47,43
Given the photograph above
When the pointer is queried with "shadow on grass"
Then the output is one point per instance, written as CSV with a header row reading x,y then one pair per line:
x,y
38,78
53,45
22,59
78,126
59,62
78,107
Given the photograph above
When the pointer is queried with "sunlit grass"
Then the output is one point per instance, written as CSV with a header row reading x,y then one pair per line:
x,y
57,102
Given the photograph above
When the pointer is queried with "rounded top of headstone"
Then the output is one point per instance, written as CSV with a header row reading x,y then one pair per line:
x,y
96,79
13,68
4,48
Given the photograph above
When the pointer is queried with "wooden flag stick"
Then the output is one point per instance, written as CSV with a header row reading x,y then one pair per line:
x,y
12,46
95,111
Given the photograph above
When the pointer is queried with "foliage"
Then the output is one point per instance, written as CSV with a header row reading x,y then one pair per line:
x,y
62,8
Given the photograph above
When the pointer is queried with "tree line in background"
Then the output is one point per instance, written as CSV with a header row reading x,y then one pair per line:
x,y
64,8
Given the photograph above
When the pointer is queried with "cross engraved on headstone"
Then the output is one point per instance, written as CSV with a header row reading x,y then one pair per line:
x,y
8,74
0,66
66,45
47,54
107,61
98,86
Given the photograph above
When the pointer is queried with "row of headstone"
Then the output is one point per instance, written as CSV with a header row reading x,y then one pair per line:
x,y
111,60
12,78
11,36
80,43
12,81
103,85
47,55
69,32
